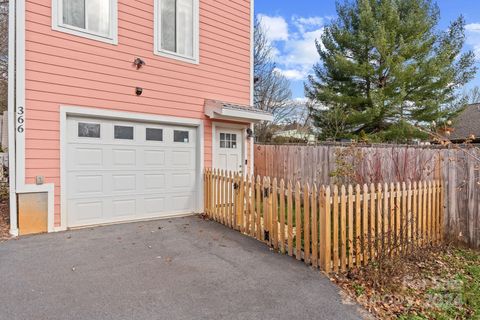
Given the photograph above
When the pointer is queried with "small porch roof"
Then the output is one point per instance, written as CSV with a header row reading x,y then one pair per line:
x,y
228,111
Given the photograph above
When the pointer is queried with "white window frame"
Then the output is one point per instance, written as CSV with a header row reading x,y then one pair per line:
x,y
157,32
58,25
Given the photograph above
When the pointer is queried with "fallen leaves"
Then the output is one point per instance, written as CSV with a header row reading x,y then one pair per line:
x,y
426,285
4,220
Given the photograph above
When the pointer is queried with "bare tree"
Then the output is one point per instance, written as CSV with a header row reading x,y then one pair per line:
x,y
3,54
473,95
271,89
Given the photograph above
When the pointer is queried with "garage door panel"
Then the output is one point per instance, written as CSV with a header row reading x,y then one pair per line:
x,y
86,156
154,158
113,180
124,182
124,157
122,208
154,181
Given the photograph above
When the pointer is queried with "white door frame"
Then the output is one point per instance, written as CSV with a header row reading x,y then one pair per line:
x,y
68,111
242,127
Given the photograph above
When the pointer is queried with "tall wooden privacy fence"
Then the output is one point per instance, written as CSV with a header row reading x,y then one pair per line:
x,y
457,168
334,228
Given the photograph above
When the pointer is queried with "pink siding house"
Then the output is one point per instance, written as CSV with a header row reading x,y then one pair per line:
x,y
117,106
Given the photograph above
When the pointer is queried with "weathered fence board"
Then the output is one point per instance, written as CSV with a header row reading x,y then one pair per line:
x,y
325,228
457,168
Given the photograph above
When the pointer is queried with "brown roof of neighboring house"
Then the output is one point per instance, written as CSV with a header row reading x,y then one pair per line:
x,y
467,123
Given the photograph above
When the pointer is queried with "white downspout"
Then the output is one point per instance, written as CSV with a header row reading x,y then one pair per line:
x,y
11,117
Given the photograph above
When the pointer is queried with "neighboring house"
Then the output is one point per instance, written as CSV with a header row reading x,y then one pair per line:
x,y
117,106
467,125
296,134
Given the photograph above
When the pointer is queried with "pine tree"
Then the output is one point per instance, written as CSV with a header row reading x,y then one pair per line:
x,y
385,69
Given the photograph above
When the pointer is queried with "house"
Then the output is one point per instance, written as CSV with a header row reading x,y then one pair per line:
x,y
467,125
117,106
295,134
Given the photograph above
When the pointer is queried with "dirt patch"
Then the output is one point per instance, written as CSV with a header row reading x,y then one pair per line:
x,y
436,283
4,220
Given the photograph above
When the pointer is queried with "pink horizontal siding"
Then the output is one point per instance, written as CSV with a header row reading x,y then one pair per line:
x,y
62,69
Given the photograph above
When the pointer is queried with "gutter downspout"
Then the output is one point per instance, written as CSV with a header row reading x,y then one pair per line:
x,y
11,116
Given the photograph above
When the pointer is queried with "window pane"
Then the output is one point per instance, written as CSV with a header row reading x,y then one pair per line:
x,y
154,134
89,130
234,145
167,27
180,136
222,144
123,132
98,19
234,137
74,13
222,136
185,27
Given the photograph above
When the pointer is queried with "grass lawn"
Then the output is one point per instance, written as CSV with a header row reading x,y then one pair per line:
x,y
434,283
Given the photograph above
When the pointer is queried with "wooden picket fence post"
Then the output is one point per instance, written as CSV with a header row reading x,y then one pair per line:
x,y
334,228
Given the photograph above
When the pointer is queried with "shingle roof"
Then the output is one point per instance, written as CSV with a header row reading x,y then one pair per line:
x,y
467,123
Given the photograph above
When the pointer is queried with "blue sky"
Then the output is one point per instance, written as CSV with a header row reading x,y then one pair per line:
x,y
295,24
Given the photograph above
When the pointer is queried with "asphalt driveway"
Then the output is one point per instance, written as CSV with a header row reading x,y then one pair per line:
x,y
184,268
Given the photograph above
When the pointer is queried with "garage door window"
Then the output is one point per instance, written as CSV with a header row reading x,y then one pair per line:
x,y
180,136
124,132
88,130
153,134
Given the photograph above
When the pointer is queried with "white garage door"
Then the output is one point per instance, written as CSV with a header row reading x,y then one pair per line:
x,y
120,171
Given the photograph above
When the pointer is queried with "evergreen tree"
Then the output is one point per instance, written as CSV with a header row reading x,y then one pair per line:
x,y
385,68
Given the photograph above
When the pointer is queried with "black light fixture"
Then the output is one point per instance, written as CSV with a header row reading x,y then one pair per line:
x,y
138,91
138,63
249,133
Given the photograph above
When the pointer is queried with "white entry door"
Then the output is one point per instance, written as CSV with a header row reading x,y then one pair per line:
x,y
228,149
122,171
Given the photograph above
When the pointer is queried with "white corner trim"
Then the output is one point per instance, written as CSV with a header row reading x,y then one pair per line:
x,y
252,78
66,111
215,127
58,25
11,118
252,53
17,114
196,35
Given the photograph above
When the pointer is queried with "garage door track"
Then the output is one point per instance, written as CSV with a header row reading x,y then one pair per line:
x,y
183,268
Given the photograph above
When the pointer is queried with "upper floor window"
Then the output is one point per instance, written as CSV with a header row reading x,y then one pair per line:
x,y
176,29
95,19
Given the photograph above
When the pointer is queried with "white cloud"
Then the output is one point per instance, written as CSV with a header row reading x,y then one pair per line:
x,y
475,27
275,27
300,55
473,37
292,74
294,43
303,24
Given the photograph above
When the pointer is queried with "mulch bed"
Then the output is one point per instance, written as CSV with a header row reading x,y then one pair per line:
x,y
4,220
436,283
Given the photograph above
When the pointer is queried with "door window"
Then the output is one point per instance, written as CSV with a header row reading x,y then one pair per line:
x,y
228,140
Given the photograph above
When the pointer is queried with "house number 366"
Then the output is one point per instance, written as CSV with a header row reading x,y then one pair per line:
x,y
20,119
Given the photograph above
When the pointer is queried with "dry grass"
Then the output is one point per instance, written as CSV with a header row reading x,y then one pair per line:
x,y
432,283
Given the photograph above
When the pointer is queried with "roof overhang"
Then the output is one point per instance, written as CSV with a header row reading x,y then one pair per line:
x,y
228,111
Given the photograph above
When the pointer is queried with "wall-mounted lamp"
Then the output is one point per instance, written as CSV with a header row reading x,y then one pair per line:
x,y
138,63
138,91
249,133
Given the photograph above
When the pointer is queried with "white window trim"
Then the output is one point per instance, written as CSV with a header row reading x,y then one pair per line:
x,y
58,25
173,55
